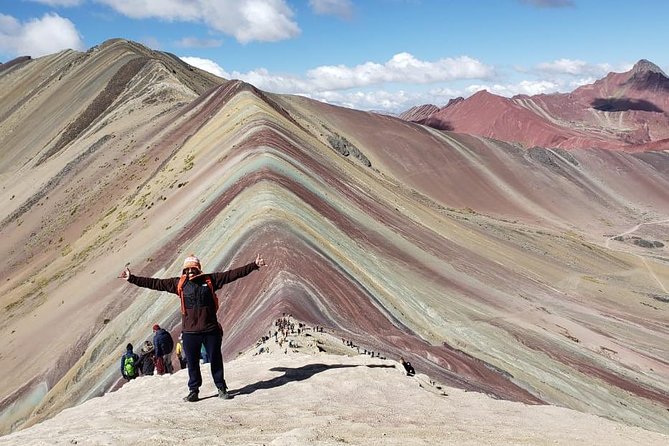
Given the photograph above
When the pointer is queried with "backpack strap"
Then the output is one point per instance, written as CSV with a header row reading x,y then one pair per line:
x,y
213,293
180,291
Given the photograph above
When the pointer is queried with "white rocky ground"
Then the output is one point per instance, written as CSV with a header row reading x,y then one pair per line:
x,y
298,396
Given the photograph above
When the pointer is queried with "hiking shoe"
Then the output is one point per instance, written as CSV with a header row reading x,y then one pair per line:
x,y
223,394
192,396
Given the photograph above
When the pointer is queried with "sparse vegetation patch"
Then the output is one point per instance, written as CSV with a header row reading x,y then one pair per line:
x,y
188,162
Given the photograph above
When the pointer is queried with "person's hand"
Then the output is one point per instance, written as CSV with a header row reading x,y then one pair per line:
x,y
260,261
125,274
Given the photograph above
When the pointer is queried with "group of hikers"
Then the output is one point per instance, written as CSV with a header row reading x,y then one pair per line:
x,y
153,356
200,329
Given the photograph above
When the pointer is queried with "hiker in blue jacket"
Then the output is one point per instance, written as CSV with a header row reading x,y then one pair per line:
x,y
163,344
199,321
129,362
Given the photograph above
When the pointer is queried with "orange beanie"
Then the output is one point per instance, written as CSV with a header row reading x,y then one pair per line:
x,y
192,262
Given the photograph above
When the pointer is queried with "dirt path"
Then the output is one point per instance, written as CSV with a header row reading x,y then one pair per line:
x,y
643,258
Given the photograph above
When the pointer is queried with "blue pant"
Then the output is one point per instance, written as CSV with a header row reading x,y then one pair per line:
x,y
212,341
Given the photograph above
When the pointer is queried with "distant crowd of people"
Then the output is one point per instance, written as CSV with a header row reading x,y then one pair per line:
x,y
362,351
408,368
285,327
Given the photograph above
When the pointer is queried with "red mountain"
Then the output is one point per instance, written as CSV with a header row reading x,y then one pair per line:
x,y
623,111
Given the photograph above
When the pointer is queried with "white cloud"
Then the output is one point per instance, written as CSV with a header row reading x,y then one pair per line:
x,y
574,68
170,10
263,20
246,20
523,87
277,83
65,3
378,100
207,65
575,83
536,87
328,83
401,68
395,101
563,66
371,100
358,86
9,26
37,37
340,8
194,42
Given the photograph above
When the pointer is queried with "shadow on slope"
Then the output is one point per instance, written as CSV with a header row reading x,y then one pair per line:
x,y
436,123
295,374
622,104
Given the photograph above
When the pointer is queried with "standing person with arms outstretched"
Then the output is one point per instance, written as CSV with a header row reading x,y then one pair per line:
x,y
199,324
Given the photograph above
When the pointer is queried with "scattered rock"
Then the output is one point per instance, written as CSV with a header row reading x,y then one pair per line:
x,y
661,298
647,243
345,148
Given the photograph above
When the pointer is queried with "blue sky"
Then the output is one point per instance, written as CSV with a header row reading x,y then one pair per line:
x,y
369,54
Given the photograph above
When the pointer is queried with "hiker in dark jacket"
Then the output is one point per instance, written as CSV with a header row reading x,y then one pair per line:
x,y
408,367
162,348
199,322
146,362
129,362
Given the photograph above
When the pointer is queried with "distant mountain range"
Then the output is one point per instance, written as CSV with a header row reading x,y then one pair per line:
x,y
623,111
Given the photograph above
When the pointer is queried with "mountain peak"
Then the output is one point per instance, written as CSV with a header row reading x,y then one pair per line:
x,y
483,92
645,66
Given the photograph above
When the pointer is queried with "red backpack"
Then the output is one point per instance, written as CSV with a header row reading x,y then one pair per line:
x,y
180,291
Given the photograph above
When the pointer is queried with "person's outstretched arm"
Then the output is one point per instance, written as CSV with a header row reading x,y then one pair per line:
x,y
169,285
220,279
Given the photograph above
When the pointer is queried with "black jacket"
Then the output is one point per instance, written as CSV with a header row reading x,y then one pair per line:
x,y
200,314
146,364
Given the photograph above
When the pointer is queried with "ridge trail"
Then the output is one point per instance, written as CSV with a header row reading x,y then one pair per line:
x,y
641,257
